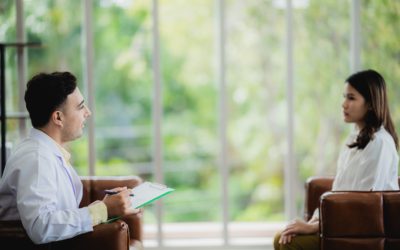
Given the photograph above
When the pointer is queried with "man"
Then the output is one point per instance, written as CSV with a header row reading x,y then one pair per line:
x,y
39,186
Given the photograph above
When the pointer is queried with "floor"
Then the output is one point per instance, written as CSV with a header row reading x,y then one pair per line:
x,y
207,236
212,248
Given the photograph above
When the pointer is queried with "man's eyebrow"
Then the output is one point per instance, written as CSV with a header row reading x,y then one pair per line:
x,y
81,103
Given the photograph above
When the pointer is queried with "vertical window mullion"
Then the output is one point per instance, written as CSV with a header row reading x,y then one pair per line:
x,y
355,36
87,44
290,170
222,111
157,117
21,63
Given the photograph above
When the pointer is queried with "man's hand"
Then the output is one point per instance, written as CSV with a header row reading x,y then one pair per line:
x,y
119,204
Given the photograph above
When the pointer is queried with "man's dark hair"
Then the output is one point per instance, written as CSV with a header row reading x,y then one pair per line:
x,y
45,93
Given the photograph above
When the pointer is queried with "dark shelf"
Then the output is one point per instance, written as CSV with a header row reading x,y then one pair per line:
x,y
20,44
17,115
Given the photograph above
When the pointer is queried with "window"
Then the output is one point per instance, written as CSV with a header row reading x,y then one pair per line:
x,y
250,54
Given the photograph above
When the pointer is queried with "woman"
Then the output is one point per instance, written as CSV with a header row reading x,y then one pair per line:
x,y
369,160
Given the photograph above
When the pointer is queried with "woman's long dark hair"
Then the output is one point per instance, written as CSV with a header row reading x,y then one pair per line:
x,y
371,85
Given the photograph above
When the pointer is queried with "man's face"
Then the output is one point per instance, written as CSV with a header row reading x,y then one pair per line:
x,y
74,113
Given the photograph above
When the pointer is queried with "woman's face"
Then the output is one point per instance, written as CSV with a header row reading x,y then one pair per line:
x,y
354,106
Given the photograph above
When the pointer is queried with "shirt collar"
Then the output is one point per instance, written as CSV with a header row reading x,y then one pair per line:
x,y
357,131
50,143
65,153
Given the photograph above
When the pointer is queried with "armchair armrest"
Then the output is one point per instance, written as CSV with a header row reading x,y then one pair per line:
x,y
112,236
352,220
349,214
93,189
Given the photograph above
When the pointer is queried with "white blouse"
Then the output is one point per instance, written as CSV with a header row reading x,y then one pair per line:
x,y
373,168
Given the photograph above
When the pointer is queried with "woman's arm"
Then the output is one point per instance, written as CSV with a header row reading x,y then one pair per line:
x,y
299,227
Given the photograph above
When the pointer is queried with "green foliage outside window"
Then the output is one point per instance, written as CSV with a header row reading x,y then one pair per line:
x,y
256,91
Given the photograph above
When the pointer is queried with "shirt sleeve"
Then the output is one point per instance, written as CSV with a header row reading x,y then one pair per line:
x,y
378,163
98,212
315,214
46,205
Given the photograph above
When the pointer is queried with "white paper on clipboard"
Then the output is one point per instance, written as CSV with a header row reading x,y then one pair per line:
x,y
148,192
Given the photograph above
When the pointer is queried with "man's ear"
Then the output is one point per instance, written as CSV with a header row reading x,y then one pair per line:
x,y
56,117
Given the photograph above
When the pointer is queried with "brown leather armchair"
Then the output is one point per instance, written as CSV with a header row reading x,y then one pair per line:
x,y
114,235
354,219
118,235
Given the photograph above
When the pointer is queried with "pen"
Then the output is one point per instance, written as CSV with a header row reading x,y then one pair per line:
x,y
110,192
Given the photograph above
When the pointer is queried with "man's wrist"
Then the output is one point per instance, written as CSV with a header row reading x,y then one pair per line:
x,y
98,212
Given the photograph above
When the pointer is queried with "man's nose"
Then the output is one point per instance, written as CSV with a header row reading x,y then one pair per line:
x,y
88,112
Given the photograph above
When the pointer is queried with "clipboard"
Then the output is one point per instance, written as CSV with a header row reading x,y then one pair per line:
x,y
145,194
148,192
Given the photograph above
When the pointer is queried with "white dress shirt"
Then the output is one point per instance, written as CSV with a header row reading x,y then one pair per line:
x,y
39,188
374,168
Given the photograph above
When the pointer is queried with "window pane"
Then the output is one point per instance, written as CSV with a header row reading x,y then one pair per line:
x,y
8,34
190,116
321,54
257,110
123,98
7,21
122,73
380,46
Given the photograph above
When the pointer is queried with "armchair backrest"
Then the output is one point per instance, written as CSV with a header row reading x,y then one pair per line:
x,y
94,186
315,187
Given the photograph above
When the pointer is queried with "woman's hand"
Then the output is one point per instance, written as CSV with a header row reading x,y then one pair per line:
x,y
298,227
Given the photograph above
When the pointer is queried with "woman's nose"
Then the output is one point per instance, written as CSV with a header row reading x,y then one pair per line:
x,y
344,104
